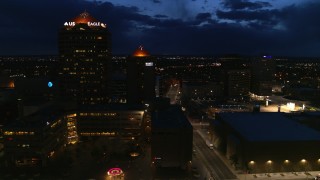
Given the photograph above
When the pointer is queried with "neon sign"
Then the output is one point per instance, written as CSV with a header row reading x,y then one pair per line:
x,y
115,172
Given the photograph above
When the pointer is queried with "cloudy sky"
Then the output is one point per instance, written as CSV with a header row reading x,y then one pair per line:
x,y
184,27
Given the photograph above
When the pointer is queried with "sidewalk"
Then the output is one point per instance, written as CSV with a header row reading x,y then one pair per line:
x,y
283,175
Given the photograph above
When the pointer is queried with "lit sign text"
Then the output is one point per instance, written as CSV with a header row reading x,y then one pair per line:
x,y
95,24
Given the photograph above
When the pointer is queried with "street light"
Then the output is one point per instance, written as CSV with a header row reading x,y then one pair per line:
x,y
269,167
269,161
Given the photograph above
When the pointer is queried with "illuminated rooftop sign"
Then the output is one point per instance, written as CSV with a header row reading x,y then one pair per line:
x,y
90,24
84,18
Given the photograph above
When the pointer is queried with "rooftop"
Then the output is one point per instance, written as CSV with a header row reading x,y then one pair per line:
x,y
111,107
140,52
268,127
40,119
85,18
170,117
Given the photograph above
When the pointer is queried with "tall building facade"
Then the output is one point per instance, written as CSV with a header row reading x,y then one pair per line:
x,y
171,135
140,78
238,82
237,75
85,60
263,70
32,140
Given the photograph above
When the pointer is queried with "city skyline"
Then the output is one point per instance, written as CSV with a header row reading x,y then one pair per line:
x,y
283,28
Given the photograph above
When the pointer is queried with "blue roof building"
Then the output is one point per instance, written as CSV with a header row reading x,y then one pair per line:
x,y
265,142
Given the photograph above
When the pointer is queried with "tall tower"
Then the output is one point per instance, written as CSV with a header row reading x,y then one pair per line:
x,y
263,69
237,76
85,60
140,77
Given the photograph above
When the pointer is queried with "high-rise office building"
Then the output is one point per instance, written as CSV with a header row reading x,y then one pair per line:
x,y
237,75
238,82
263,70
140,78
85,59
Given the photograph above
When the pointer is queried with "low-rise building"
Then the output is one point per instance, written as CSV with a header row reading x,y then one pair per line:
x,y
31,140
267,142
117,120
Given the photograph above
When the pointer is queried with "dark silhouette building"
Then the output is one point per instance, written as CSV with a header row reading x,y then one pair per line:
x,y
171,139
236,76
85,60
32,140
140,78
262,70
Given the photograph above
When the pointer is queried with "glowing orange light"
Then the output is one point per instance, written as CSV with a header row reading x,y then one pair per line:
x,y
84,18
11,84
140,52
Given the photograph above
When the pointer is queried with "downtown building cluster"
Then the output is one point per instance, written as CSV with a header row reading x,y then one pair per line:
x,y
82,100
87,93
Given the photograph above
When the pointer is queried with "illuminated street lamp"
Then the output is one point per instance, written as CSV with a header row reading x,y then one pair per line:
x,y
269,162
305,165
269,166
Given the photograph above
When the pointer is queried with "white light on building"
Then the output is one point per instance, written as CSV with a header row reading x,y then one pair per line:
x,y
291,106
149,63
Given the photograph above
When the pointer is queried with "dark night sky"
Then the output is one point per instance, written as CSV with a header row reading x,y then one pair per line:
x,y
200,27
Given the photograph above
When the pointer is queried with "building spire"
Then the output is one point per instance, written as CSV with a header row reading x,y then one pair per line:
x,y
85,14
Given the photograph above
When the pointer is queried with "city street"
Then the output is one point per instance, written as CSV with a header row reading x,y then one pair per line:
x,y
209,160
215,166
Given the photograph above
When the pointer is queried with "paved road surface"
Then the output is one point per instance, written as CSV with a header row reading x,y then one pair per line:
x,y
210,160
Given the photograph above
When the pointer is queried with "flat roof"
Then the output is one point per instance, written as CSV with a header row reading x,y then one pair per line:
x,y
266,126
39,119
111,107
170,117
